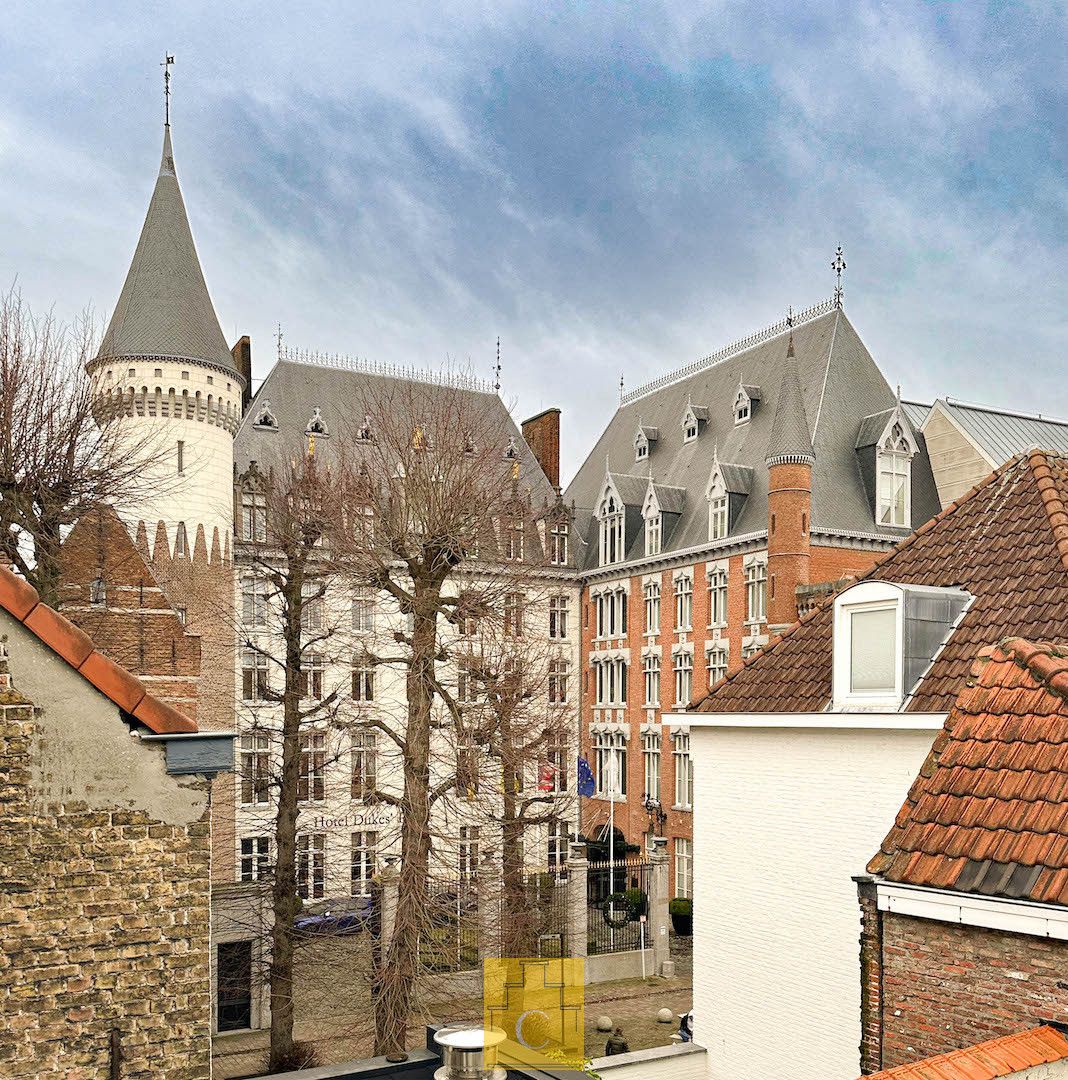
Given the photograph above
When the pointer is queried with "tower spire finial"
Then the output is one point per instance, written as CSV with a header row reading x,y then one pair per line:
x,y
838,266
167,63
497,369
621,388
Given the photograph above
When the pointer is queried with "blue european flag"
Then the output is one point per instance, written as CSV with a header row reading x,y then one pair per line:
x,y
586,783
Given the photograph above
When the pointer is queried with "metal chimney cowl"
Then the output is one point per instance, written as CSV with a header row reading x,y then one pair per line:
x,y
469,1052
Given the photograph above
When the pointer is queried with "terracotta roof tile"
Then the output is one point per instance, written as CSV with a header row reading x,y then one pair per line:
x,y
986,1061
989,811
65,639
1006,542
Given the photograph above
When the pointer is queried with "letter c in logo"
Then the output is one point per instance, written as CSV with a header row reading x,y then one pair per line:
x,y
519,1028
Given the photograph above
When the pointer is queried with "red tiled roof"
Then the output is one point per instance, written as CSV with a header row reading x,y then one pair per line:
x,y
988,812
986,1061
73,645
1006,542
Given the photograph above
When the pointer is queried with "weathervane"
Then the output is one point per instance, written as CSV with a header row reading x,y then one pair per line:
x,y
497,369
838,266
620,389
790,315
278,337
168,61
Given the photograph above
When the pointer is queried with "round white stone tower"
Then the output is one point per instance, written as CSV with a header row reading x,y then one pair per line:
x,y
164,365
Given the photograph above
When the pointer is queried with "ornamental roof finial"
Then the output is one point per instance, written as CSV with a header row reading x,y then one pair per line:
x,y
167,63
497,369
838,266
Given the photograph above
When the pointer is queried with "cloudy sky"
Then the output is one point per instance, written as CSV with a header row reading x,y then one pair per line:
x,y
613,188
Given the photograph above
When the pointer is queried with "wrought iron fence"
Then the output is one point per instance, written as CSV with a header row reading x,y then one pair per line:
x,y
617,903
449,939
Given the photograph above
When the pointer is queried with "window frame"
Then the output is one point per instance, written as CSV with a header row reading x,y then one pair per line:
x,y
863,597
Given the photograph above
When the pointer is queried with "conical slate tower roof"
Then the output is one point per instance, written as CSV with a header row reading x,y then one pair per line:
x,y
790,440
164,309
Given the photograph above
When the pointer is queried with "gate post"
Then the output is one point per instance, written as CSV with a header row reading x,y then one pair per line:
x,y
658,908
577,909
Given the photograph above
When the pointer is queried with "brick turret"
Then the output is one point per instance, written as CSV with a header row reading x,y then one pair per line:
x,y
790,458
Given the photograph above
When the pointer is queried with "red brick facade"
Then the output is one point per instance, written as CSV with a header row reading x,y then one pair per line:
x,y
823,564
931,987
542,435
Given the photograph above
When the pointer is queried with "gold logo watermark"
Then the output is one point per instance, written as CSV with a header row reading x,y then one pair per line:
x,y
539,1005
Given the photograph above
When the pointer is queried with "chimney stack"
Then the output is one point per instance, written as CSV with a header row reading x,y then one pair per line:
x,y
469,1052
542,434
242,354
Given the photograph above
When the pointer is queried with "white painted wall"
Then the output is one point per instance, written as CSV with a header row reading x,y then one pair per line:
x,y
785,817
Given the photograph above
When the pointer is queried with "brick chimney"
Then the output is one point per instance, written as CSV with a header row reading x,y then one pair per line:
x,y
242,354
542,433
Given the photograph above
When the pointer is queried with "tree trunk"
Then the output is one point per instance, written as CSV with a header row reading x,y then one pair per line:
x,y
285,900
393,1003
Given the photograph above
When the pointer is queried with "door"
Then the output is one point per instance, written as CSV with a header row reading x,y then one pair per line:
x,y
234,1005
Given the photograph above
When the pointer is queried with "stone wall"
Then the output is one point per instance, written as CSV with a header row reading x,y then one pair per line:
x,y
104,863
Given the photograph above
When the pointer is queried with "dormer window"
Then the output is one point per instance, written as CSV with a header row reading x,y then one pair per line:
x,y
653,534
692,419
743,408
265,418
717,517
365,432
611,515
316,425
894,459
511,451
873,621
98,591
644,440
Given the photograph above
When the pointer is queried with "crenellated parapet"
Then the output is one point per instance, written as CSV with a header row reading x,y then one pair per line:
x,y
170,403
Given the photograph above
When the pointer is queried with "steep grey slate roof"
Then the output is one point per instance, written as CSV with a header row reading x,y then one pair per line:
x,y
737,479
840,385
789,439
164,308
342,396
1000,435
672,499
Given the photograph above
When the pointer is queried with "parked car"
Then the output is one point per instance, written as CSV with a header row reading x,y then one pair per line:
x,y
351,920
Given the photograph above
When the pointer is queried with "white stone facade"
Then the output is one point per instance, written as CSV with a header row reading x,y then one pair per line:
x,y
337,811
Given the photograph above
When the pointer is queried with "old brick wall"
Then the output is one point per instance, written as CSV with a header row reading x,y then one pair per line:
x,y
946,986
103,905
137,625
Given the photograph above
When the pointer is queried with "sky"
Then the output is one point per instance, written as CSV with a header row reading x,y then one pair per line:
x,y
613,189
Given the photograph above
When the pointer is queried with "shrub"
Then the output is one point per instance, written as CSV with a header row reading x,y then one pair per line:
x,y
680,905
639,902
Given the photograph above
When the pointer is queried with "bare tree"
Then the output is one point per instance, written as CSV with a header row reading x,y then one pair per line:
x,y
59,457
423,504
300,545
451,537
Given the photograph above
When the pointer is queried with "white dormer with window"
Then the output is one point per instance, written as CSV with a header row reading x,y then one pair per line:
x,y
692,420
610,515
893,461
644,441
885,637
654,522
316,424
718,506
745,402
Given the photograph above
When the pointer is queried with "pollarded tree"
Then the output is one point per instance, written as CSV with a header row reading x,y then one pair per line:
x,y
444,529
300,546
